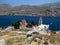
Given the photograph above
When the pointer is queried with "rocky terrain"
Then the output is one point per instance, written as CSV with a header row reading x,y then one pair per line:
x,y
18,37
51,9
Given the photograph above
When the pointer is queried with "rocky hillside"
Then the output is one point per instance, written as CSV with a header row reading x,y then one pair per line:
x,y
51,9
4,9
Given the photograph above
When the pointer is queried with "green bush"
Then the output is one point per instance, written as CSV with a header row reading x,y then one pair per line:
x,y
54,32
32,22
29,25
16,25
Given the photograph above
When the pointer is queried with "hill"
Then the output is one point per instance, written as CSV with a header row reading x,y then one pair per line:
x,y
4,9
51,9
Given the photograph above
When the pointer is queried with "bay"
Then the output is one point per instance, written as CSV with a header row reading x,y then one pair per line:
x,y
54,22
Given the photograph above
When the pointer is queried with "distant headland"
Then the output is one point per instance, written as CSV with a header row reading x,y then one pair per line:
x,y
51,9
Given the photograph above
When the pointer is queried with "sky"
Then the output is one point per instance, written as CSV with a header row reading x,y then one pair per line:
x,y
27,2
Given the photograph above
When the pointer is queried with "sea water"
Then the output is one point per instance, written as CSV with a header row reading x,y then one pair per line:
x,y
54,22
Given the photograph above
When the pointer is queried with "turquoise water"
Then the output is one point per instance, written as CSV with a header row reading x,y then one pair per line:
x,y
54,22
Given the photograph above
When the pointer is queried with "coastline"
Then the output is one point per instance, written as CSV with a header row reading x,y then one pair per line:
x,y
31,15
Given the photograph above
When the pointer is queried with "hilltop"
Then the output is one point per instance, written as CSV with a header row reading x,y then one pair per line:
x,y
51,9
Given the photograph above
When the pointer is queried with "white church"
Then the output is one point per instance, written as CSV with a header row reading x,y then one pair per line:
x,y
42,28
